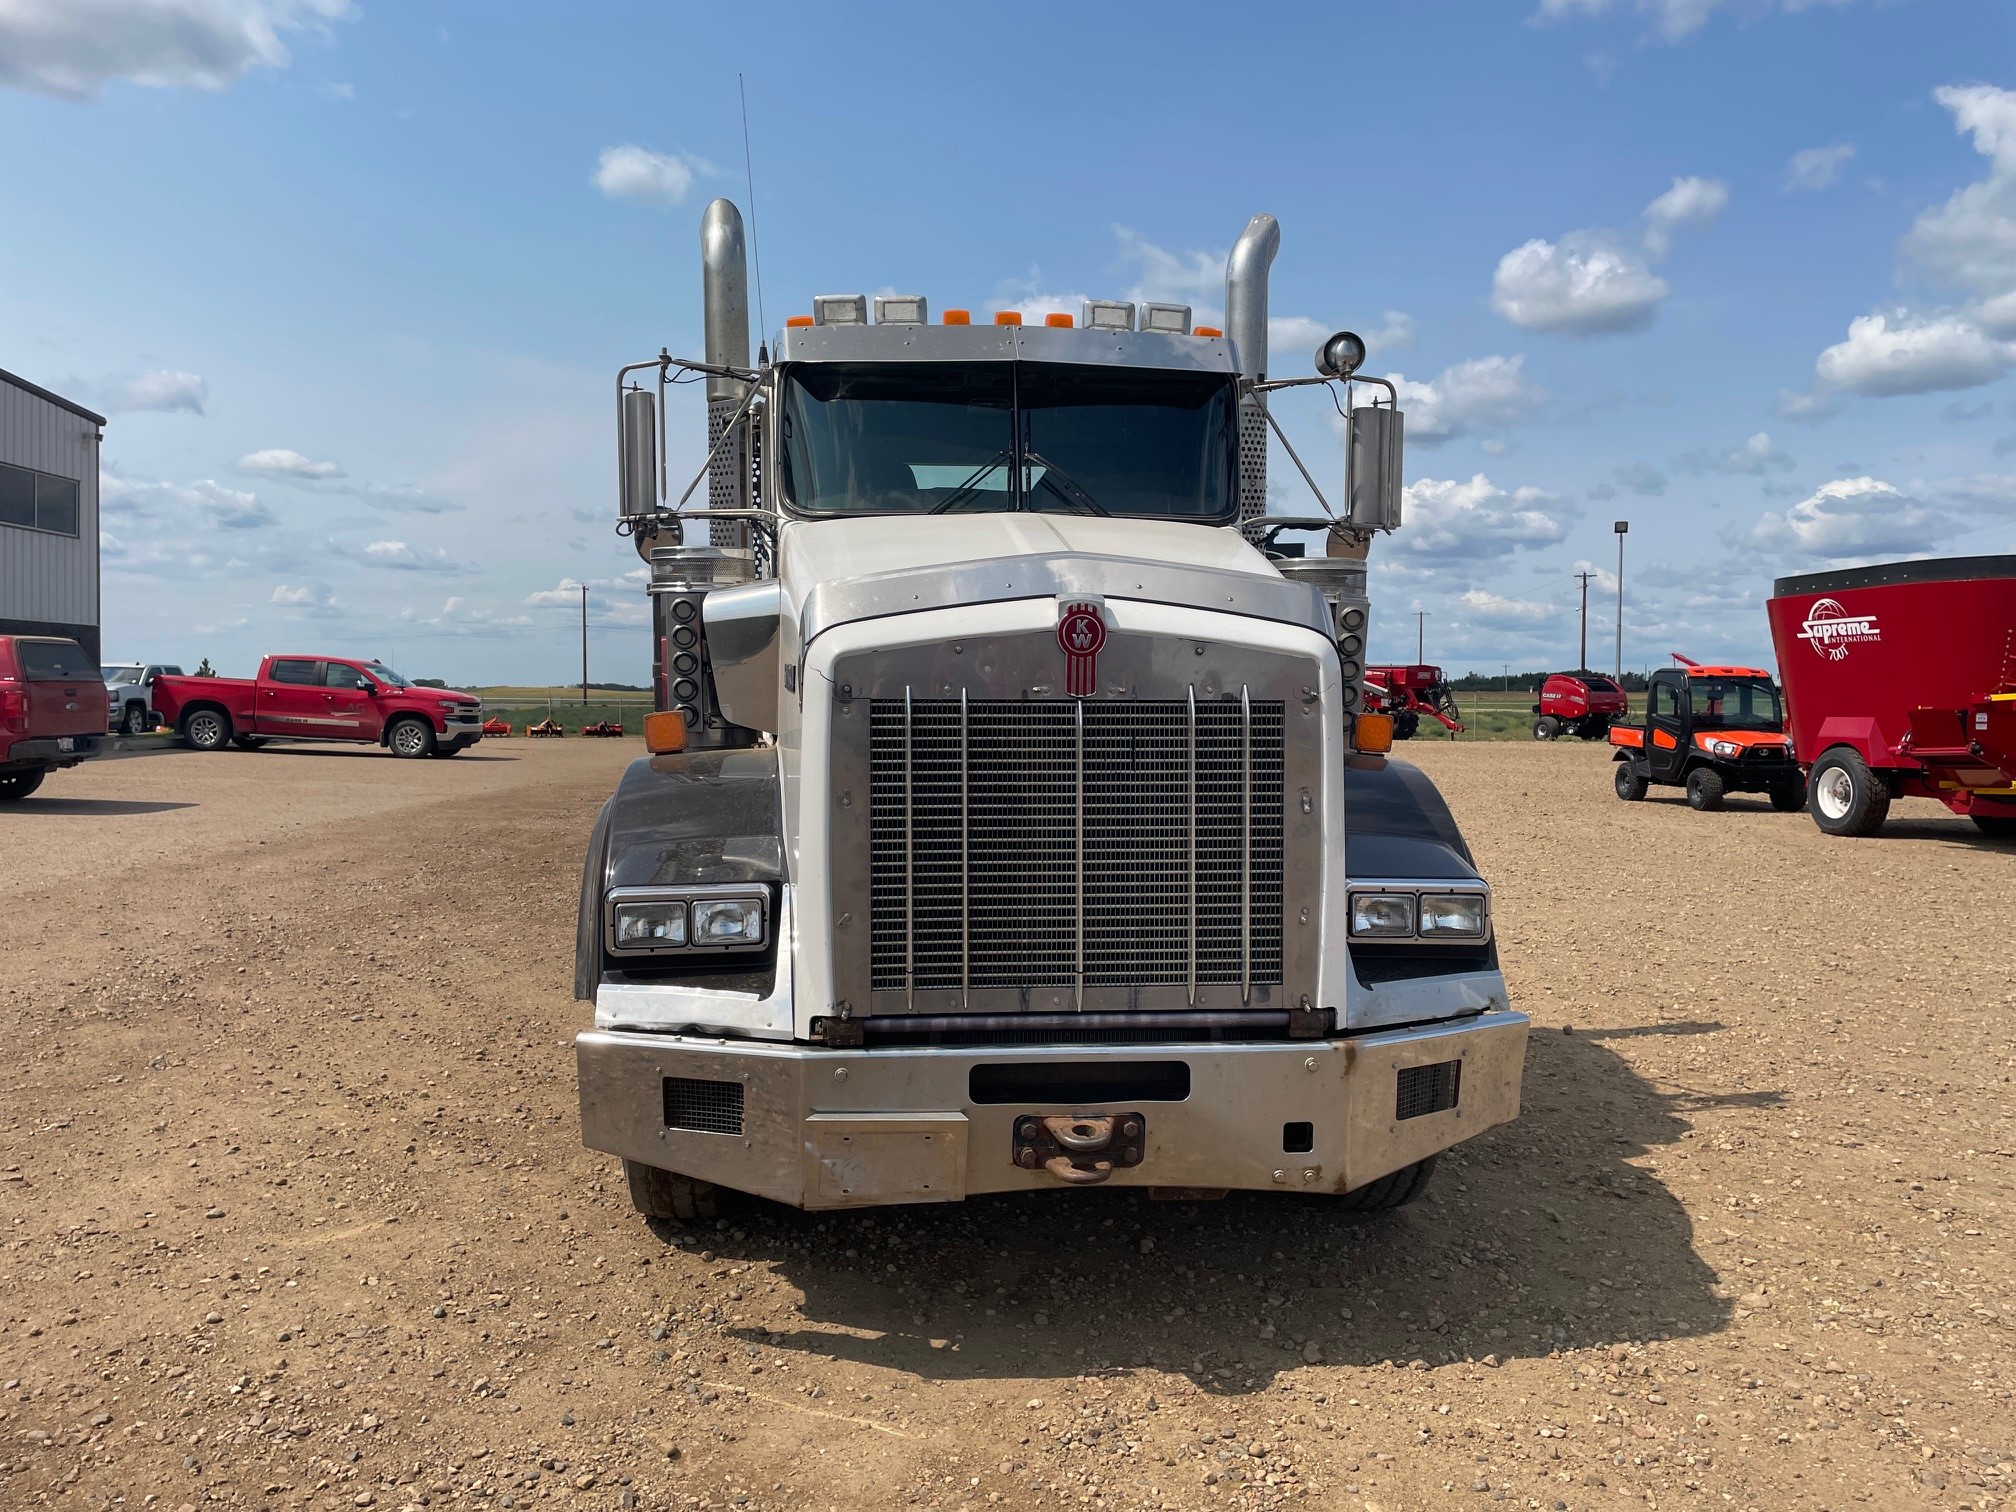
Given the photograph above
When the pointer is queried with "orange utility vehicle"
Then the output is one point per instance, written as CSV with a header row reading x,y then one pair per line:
x,y
1713,731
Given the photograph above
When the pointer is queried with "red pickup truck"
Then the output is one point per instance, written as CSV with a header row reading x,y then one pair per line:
x,y
319,698
52,710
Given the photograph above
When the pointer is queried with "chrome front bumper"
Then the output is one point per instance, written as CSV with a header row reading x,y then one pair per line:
x,y
856,1128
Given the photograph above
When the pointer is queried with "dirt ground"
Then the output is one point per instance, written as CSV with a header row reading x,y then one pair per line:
x,y
293,1211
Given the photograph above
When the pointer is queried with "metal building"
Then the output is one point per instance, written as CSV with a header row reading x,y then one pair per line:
x,y
48,514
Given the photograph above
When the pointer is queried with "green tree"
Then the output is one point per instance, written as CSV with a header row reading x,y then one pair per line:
x,y
204,669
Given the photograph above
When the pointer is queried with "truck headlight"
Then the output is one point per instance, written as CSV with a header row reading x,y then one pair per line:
x,y
651,926
1457,916
1377,914
728,921
1724,747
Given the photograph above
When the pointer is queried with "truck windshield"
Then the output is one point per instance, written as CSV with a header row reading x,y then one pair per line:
x,y
386,675
1734,703
120,676
941,438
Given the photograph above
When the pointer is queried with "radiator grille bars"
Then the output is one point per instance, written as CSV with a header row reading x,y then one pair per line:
x,y
1075,844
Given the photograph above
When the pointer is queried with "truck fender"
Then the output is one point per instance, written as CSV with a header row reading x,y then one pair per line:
x,y
680,821
1860,734
1397,825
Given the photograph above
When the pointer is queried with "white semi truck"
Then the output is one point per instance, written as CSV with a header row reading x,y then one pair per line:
x,y
1012,819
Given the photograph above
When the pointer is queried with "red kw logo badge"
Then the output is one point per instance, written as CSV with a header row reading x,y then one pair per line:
x,y
1081,632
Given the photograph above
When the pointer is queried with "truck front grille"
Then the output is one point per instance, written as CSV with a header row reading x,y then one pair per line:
x,y
1088,843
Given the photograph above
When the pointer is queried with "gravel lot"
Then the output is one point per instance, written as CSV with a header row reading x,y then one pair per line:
x,y
293,1212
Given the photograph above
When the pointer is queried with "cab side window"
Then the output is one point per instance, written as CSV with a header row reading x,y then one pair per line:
x,y
341,676
1665,700
305,674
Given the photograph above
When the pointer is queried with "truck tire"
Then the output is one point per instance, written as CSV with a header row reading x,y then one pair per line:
x,y
1705,789
411,738
667,1194
1789,795
1390,1192
135,720
1630,781
206,729
1995,826
1405,724
18,785
1845,797
1546,727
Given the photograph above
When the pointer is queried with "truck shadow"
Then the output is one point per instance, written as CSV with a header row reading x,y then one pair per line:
x,y
1537,1236
362,753
97,808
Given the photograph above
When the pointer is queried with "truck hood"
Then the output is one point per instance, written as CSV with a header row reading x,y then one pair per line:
x,y
838,571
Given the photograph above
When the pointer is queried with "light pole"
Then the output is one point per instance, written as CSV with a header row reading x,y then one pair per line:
x,y
1623,528
1583,664
584,643
1420,635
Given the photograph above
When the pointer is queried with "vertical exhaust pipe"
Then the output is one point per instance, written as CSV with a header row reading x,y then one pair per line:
x,y
1246,327
725,304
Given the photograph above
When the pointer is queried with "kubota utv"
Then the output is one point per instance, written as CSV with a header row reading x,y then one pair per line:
x,y
1713,731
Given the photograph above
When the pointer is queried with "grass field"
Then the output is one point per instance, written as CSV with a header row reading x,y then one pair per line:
x,y
520,707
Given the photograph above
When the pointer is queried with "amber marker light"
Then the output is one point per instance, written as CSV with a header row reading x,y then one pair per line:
x,y
797,322
665,732
1007,317
1374,732
1206,331
958,317
1061,322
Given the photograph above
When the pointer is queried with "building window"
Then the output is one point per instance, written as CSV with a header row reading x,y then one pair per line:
x,y
38,501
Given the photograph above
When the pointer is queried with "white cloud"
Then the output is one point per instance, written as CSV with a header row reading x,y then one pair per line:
x,y
1486,393
1905,353
1583,285
401,498
1851,517
633,172
110,545
1805,409
1641,478
1451,520
293,598
1970,241
182,504
566,591
1818,167
1692,202
1672,20
1195,278
1495,609
1755,457
158,389
399,555
283,462
72,48
340,92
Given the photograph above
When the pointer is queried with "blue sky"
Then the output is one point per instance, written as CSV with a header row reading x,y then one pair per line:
x,y
352,280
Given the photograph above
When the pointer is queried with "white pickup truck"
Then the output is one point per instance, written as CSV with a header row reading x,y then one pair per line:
x,y
129,694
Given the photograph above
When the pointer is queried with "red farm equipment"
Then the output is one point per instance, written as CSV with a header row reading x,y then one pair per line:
x,y
1409,692
1900,681
1583,704
495,726
607,728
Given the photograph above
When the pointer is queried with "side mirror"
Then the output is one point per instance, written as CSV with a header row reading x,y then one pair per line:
x,y
1372,469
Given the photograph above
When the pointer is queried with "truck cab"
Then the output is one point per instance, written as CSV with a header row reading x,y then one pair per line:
x,y
129,692
1014,821
52,710
1712,731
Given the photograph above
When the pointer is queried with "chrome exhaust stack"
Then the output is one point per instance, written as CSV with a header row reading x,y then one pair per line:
x,y
725,305
1246,327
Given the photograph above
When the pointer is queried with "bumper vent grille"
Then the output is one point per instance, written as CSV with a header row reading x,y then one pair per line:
x,y
705,1107
1046,844
1422,1090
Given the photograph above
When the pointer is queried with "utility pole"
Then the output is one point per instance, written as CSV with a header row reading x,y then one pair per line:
x,y
584,643
1506,668
1420,635
1622,527
1583,664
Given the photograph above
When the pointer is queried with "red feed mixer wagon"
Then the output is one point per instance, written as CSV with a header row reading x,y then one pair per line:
x,y
1409,692
1900,681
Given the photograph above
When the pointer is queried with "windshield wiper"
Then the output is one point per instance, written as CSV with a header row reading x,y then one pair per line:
x,y
971,486
1057,481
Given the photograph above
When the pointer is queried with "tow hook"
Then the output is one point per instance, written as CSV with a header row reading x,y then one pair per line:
x,y
1082,1149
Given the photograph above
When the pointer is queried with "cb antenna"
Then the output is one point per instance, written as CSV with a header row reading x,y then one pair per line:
x,y
755,242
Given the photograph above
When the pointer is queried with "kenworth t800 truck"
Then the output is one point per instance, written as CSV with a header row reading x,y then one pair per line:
x,y
1013,820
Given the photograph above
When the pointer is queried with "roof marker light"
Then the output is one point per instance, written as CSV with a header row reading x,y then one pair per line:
x,y
1109,315
902,309
1172,319
958,317
1007,317
840,309
797,322
1060,322
1205,331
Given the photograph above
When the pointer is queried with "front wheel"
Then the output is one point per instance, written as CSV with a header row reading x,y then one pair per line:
x,y
1546,727
207,729
1630,782
1995,826
1788,795
18,785
411,738
1390,1192
135,721
1845,797
1705,789
667,1194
